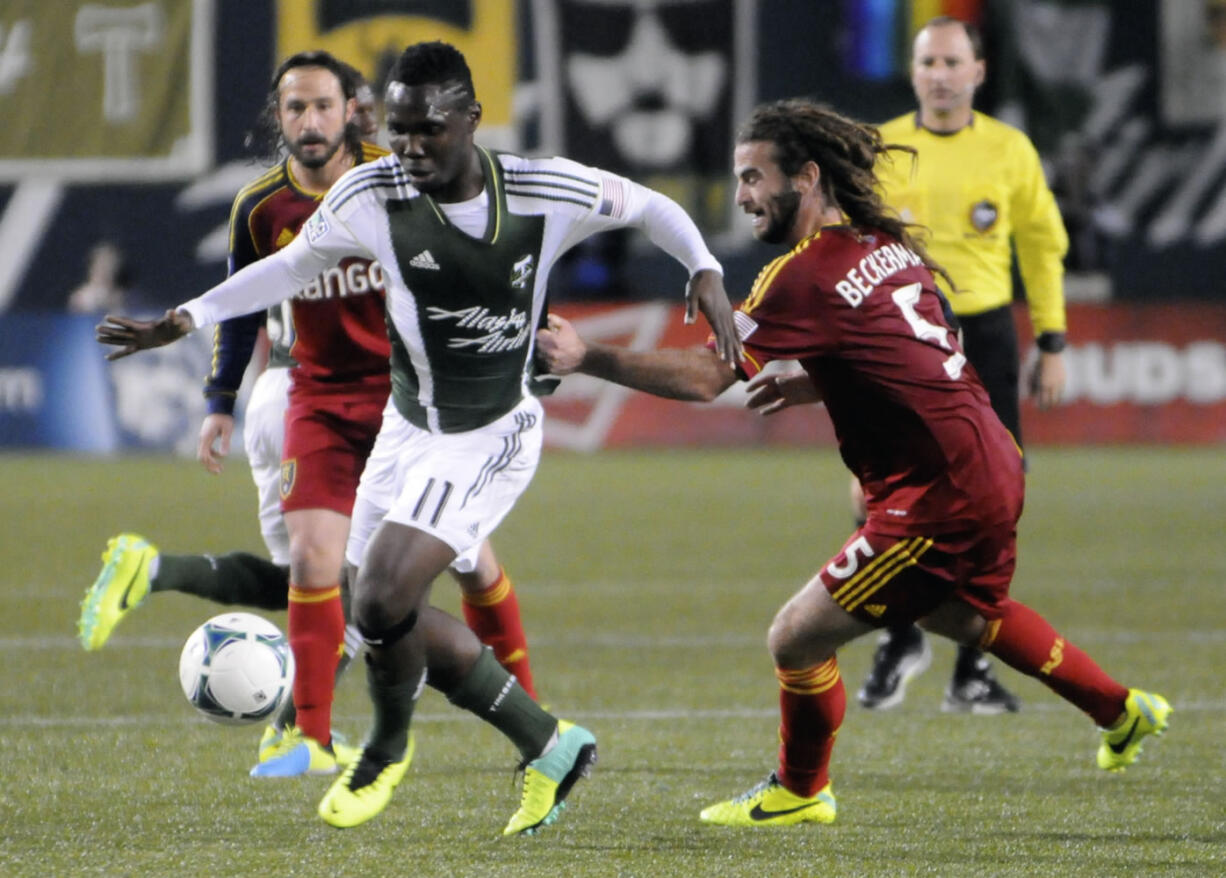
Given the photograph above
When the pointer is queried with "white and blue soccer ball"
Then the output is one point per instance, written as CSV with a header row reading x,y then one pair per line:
x,y
237,668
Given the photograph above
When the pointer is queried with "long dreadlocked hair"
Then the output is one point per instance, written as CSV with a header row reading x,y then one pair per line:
x,y
264,140
846,151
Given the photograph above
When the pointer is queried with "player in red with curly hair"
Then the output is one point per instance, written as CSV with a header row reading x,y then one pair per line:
x,y
854,301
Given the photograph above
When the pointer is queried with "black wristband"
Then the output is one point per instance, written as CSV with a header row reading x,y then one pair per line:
x,y
1051,342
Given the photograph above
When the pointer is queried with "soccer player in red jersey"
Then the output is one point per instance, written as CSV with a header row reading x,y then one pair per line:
x,y
854,301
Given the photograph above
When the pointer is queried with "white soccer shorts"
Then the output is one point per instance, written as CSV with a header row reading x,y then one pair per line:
x,y
263,438
457,487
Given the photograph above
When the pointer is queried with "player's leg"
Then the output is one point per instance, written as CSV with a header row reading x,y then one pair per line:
x,y
316,634
443,496
327,440
133,568
555,753
874,579
812,701
1027,642
902,652
491,609
990,343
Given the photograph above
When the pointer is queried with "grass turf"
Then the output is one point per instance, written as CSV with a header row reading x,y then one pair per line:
x,y
647,581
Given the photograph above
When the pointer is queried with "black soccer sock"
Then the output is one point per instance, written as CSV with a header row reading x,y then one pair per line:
x,y
494,695
968,659
236,578
394,704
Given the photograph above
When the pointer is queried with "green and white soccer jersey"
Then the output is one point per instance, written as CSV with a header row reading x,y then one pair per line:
x,y
463,309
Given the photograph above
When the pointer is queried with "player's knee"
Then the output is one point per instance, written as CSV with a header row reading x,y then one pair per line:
x,y
380,626
316,562
786,646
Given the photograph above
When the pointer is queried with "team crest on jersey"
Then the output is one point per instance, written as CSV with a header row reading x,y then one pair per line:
x,y
984,215
316,227
521,272
289,469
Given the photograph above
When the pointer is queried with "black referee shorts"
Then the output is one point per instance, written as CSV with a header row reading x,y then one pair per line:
x,y
990,342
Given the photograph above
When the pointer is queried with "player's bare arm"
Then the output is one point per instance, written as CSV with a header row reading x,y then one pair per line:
x,y
131,335
775,392
706,293
695,374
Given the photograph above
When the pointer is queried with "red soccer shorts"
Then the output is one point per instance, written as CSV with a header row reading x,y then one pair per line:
x,y
889,580
327,440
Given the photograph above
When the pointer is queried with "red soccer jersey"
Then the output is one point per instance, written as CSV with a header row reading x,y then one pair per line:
x,y
862,316
339,332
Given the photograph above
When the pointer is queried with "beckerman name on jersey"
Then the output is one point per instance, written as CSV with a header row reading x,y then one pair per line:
x,y
873,269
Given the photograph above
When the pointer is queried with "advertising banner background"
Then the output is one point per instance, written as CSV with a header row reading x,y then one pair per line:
x,y
1137,374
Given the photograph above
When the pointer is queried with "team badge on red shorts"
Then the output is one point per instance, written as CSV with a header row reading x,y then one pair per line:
x,y
289,469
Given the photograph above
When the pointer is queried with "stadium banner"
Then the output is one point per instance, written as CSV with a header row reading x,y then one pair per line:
x,y
649,89
94,91
371,34
58,391
1136,374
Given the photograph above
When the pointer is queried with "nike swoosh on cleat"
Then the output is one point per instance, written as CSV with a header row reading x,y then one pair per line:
x,y
123,601
759,814
1123,745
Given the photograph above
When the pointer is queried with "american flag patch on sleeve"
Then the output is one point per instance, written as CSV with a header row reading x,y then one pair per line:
x,y
613,196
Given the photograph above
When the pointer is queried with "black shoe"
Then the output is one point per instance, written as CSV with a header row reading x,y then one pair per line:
x,y
974,689
900,656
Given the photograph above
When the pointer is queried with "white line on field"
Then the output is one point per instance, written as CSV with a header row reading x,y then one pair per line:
x,y
639,641
665,715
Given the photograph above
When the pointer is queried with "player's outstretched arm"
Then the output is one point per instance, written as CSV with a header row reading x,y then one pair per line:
x,y
695,375
131,335
706,293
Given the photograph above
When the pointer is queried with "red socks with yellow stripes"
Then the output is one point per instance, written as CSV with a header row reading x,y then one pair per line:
x,y
493,615
1025,641
812,702
316,637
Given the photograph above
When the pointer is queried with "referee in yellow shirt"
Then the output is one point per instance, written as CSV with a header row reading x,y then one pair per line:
x,y
977,188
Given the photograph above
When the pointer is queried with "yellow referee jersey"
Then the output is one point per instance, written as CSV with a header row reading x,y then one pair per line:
x,y
976,190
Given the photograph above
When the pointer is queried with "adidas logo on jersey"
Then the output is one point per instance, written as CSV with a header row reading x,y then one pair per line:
x,y
424,260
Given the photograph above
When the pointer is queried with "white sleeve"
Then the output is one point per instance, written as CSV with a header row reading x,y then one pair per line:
x,y
663,220
323,242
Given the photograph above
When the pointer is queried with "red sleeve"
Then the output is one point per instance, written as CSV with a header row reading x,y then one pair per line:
x,y
786,316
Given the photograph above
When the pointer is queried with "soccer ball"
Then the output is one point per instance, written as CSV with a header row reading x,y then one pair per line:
x,y
236,668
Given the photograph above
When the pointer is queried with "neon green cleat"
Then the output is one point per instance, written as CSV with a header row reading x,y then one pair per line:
x,y
549,778
770,803
270,743
120,588
346,754
293,756
1145,713
270,747
364,789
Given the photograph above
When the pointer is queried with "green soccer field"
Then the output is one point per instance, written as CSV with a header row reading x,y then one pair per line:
x,y
647,581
